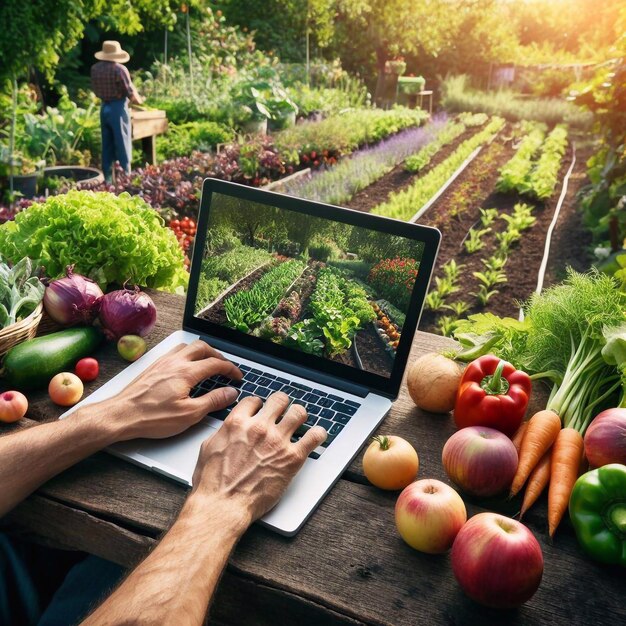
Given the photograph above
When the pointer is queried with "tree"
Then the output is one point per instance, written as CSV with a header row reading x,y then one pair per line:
x,y
400,27
281,25
36,33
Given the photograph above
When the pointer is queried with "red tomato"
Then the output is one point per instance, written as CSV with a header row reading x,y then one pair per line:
x,y
174,224
192,223
87,369
13,406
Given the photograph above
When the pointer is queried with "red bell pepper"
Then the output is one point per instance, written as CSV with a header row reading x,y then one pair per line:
x,y
492,393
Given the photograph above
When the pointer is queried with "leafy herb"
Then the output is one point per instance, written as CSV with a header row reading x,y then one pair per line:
x,y
20,291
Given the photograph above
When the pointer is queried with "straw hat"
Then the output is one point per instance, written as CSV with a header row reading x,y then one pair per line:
x,y
112,51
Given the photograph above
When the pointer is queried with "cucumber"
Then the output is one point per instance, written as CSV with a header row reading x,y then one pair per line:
x,y
31,364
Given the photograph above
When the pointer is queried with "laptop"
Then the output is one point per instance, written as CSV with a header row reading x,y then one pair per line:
x,y
314,300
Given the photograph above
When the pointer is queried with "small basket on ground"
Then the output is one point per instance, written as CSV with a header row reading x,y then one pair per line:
x,y
20,331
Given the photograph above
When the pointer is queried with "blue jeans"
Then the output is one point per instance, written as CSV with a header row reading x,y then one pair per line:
x,y
51,587
116,135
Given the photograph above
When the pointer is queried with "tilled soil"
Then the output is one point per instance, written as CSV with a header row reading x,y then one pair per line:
x,y
374,356
569,244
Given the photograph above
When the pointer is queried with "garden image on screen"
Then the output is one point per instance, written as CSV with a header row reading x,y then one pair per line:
x,y
308,283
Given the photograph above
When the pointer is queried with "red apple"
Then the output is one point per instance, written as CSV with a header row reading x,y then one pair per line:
x,y
497,561
480,460
429,514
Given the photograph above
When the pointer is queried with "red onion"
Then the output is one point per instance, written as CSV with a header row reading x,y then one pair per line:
x,y
73,299
127,312
605,439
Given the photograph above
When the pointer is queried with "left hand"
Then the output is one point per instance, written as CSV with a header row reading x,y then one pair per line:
x,y
157,403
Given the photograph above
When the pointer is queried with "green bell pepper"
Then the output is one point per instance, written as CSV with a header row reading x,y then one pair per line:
x,y
597,508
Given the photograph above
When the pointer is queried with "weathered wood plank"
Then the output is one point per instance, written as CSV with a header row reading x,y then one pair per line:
x,y
67,526
239,600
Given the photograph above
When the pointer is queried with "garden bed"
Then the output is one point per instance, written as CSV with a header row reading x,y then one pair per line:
x,y
570,241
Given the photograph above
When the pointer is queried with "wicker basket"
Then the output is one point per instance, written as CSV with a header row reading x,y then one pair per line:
x,y
20,331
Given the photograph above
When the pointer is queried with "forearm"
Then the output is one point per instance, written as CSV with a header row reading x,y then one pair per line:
x,y
32,456
175,583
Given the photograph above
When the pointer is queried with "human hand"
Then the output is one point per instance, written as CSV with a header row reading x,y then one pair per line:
x,y
251,459
157,403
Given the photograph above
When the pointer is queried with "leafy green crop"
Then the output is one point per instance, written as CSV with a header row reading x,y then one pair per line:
x,y
246,308
515,173
544,177
340,308
111,239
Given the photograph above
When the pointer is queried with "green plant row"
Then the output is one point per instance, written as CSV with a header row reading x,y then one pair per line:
x,y
404,204
515,173
544,177
421,159
220,271
340,308
246,308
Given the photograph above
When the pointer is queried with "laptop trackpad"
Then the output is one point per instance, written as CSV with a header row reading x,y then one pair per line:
x,y
178,453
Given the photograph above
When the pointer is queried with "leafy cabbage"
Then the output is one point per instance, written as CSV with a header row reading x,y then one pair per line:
x,y
109,238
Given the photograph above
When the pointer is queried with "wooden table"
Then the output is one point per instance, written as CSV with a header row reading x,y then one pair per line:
x,y
146,126
347,565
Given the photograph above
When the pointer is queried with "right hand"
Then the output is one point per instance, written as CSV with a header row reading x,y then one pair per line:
x,y
251,459
157,403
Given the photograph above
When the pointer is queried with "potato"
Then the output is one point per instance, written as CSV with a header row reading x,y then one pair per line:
x,y
433,381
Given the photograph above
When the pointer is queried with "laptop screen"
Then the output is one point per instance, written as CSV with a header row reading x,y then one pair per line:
x,y
310,284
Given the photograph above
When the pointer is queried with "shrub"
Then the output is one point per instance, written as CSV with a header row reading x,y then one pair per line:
x,y
323,250
183,139
394,279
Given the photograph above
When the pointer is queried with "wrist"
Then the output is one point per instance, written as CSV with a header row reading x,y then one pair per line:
x,y
234,515
98,423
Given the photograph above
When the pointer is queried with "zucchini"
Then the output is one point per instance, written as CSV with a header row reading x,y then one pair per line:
x,y
31,364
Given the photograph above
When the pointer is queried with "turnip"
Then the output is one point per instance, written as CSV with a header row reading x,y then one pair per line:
x,y
433,381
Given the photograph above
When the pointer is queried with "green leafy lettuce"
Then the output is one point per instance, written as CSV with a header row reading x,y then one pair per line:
x,y
109,238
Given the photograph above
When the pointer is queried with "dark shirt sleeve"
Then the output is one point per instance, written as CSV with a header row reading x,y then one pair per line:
x,y
125,81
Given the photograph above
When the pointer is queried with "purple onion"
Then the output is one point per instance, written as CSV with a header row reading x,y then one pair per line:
x,y
127,312
73,299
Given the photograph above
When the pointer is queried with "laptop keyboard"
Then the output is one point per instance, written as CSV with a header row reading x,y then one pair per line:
x,y
330,411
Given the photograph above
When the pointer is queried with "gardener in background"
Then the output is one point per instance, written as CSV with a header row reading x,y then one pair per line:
x,y
111,82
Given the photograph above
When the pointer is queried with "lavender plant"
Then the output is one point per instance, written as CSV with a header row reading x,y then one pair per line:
x,y
340,183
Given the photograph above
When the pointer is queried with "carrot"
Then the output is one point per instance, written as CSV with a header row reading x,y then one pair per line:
x,y
542,429
566,455
518,436
537,482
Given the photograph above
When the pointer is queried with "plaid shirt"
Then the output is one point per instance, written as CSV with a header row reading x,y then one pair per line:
x,y
111,81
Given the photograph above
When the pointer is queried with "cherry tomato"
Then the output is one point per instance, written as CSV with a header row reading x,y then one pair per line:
x,y
87,369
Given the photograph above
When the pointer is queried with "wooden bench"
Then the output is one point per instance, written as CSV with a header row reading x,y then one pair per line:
x,y
146,126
